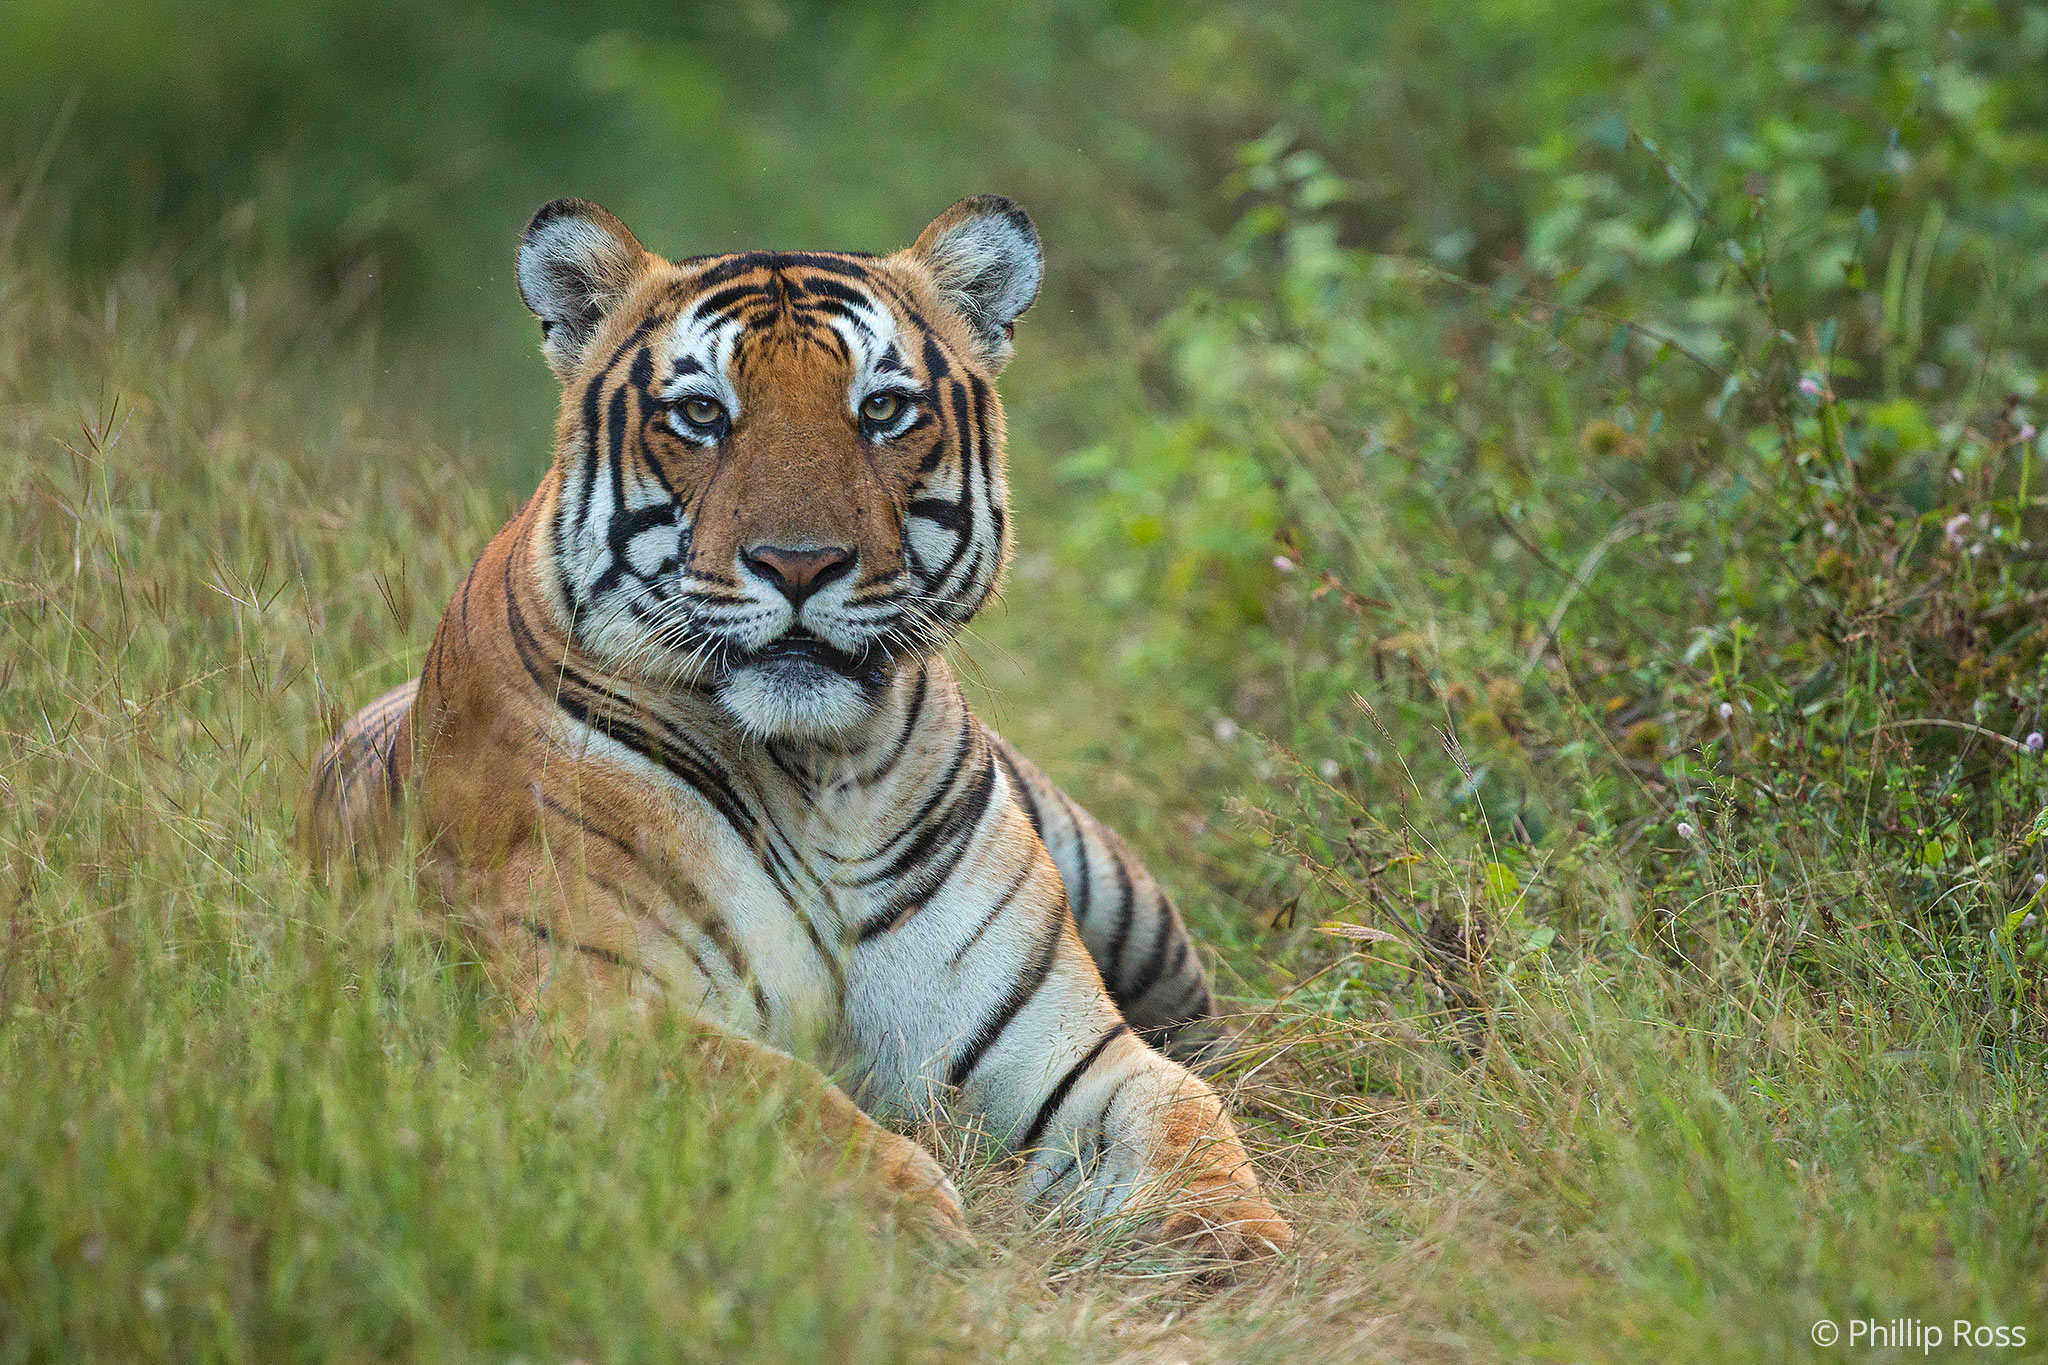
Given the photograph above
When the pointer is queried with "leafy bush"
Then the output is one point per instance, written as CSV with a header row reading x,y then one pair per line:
x,y
1696,534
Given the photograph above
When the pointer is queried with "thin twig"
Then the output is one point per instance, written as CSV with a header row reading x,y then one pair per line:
x,y
2007,740
1632,524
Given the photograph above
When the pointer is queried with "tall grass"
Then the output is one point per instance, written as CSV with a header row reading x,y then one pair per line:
x,y
249,1120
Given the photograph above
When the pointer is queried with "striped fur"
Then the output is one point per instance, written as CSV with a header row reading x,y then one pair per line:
x,y
685,731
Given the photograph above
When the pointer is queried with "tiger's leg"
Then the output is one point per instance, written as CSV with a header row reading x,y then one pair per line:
x,y
898,1165
987,988
1129,924
564,948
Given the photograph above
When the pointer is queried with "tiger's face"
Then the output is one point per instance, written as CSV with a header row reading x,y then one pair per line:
x,y
778,476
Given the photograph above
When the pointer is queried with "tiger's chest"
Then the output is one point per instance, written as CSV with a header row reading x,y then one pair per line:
x,y
761,883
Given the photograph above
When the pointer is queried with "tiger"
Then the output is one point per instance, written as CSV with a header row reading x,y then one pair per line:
x,y
686,733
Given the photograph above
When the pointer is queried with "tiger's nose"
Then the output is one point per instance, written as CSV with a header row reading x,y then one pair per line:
x,y
797,574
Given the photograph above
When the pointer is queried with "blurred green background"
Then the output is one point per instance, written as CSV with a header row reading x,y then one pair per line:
x,y
388,153
1531,517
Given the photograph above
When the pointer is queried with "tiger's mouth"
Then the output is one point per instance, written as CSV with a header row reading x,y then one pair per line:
x,y
799,647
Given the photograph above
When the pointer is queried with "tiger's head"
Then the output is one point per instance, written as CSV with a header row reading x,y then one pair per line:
x,y
778,475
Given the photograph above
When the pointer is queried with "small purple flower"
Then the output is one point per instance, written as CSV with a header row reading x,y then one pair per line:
x,y
1955,476
1685,829
1952,529
1809,386
2033,742
1283,563
2026,432
1727,710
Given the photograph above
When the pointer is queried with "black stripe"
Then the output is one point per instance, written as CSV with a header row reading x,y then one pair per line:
x,y
856,298
584,823
960,819
911,715
1155,961
846,264
1099,1141
1125,896
689,949
952,515
985,446
1086,1158
670,749
1080,897
462,598
1194,997
793,769
329,772
924,812
725,300
937,849
615,440
546,935
1058,1094
438,659
363,742
591,456
1002,904
572,692
936,366
1180,956
1021,992
961,420
391,778
1023,792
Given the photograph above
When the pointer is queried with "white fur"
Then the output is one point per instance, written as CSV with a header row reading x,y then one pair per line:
x,y
711,341
793,698
988,270
572,270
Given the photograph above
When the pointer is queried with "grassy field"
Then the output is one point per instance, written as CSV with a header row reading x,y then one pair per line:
x,y
1537,534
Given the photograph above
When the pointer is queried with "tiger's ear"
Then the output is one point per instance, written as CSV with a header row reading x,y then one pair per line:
x,y
984,257
576,262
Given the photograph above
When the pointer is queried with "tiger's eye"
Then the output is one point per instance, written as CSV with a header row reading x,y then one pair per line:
x,y
881,407
702,412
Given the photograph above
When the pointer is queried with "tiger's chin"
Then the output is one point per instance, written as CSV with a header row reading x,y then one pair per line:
x,y
794,699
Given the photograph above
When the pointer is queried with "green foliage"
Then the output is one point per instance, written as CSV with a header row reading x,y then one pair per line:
x,y
1668,523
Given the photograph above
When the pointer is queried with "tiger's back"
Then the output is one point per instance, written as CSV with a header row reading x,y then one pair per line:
x,y
359,781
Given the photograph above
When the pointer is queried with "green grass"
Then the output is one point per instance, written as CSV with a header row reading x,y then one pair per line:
x,y
1425,534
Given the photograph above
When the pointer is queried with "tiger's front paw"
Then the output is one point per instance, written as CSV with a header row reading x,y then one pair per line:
x,y
1225,1219
915,1179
